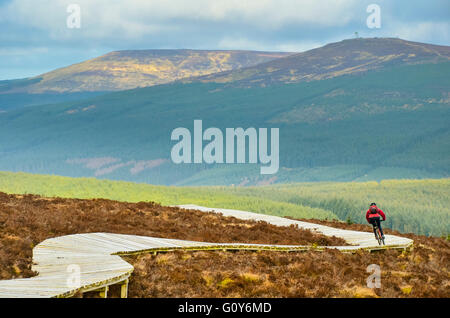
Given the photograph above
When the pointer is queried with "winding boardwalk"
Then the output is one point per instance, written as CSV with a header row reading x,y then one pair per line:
x,y
84,262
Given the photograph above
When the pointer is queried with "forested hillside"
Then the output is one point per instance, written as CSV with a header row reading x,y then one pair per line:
x,y
385,124
416,206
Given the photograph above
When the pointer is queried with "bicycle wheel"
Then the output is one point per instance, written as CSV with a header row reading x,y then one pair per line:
x,y
381,237
377,237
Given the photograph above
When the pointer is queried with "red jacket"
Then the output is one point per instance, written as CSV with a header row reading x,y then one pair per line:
x,y
379,213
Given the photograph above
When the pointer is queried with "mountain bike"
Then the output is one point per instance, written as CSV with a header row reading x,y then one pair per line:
x,y
377,232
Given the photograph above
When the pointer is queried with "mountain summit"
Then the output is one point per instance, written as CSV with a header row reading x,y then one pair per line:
x,y
335,59
121,70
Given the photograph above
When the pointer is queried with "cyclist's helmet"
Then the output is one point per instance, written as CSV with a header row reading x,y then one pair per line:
x,y
373,203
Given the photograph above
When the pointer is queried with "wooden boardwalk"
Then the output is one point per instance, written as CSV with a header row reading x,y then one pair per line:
x,y
364,240
84,262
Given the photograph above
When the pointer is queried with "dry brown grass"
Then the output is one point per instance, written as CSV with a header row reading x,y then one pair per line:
x,y
26,220
423,272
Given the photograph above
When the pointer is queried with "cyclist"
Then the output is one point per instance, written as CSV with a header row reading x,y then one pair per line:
x,y
374,215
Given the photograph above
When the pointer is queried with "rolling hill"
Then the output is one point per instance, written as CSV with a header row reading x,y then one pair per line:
x,y
120,70
335,59
382,123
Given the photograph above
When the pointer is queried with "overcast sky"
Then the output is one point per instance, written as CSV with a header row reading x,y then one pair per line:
x,y
34,37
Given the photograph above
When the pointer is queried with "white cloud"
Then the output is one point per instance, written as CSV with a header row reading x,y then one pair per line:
x,y
256,12
243,43
421,31
272,25
142,16
106,21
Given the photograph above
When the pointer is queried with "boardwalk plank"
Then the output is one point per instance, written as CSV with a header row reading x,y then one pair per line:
x,y
98,267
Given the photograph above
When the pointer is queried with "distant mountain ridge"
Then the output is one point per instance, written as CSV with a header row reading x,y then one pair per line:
x,y
384,116
347,57
121,70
